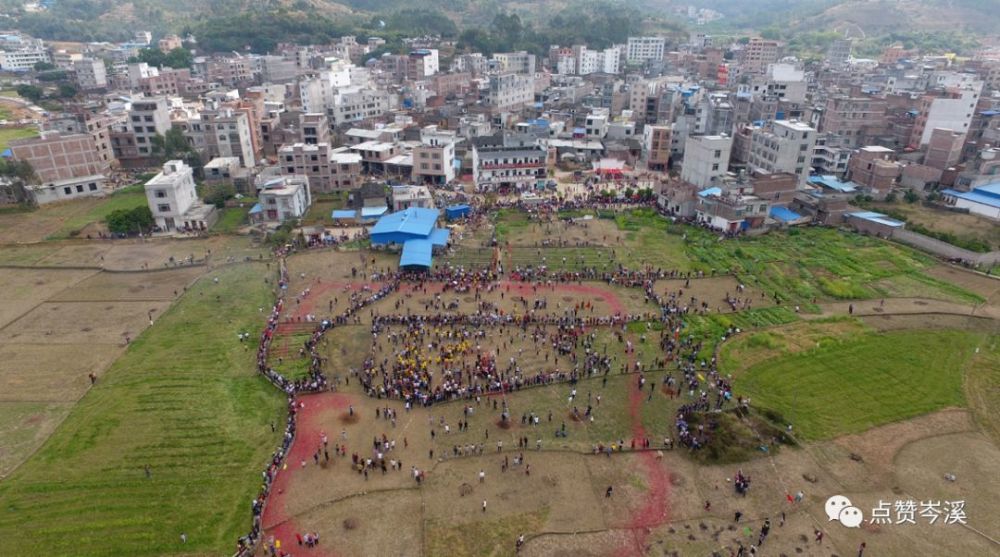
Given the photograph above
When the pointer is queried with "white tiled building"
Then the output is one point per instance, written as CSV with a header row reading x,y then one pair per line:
x,y
174,202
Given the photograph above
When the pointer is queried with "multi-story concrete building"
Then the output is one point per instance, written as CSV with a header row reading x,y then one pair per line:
x,y
357,105
225,133
757,55
232,71
404,197
950,109
510,91
168,43
67,166
874,167
19,52
830,157
147,119
515,62
855,119
327,170
656,144
91,73
282,198
422,62
944,149
83,120
786,147
169,82
433,159
706,159
174,202
643,49
583,61
55,156
507,168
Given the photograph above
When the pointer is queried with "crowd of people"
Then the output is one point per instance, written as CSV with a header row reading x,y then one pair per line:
x,y
444,354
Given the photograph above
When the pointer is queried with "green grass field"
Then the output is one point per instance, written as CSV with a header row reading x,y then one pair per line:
x,y
184,400
849,385
126,198
231,219
9,134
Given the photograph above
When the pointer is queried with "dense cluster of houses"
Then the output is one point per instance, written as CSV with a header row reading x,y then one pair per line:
x,y
737,134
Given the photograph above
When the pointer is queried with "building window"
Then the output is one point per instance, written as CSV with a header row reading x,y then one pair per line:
x,y
68,190
291,170
93,187
163,208
160,194
715,167
79,188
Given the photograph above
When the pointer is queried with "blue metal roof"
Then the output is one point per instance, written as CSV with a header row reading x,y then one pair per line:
x,y
784,214
257,208
710,191
415,221
439,236
343,214
417,253
981,195
833,183
877,217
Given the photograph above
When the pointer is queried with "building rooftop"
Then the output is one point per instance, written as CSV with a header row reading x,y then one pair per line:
x,y
795,125
988,195
877,218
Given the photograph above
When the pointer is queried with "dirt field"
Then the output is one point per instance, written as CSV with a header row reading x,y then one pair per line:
x,y
23,289
131,254
159,285
663,503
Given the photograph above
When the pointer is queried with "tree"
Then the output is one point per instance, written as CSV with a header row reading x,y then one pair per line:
x,y
891,197
130,221
54,75
43,66
218,194
911,196
18,169
30,92
67,91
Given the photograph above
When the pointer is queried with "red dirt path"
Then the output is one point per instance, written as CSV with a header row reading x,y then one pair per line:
x,y
275,521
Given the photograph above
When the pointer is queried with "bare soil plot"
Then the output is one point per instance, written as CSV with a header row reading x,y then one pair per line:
x,y
25,254
82,322
713,291
23,289
51,372
159,285
564,233
986,286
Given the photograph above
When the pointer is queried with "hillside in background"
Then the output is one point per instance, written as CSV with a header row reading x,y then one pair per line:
x,y
552,21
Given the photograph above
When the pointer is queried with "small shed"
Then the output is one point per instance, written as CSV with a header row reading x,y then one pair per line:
x,y
342,215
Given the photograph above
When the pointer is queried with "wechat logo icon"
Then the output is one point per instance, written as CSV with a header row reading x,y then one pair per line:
x,y
839,508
